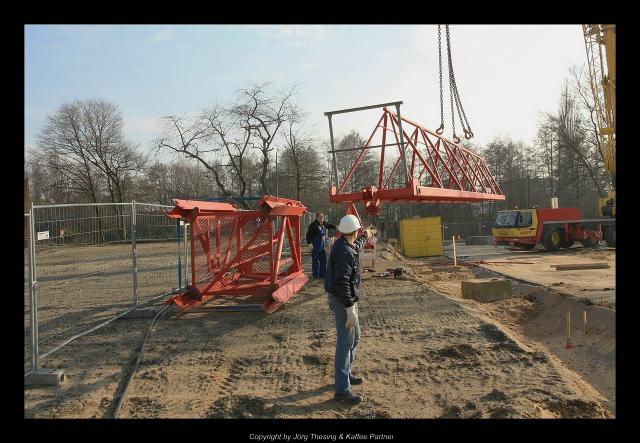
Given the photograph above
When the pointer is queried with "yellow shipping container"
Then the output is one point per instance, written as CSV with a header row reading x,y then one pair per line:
x,y
421,237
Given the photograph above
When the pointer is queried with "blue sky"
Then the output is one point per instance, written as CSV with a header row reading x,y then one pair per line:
x,y
506,75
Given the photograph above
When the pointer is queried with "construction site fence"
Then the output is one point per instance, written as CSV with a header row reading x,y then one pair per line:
x,y
388,229
87,265
391,229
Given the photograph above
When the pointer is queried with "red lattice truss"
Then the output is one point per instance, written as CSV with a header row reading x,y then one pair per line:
x,y
437,169
239,252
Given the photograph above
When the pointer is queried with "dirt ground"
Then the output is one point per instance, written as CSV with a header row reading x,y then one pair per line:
x,y
596,285
424,353
536,314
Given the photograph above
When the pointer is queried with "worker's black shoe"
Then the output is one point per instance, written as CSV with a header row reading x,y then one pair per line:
x,y
348,398
355,380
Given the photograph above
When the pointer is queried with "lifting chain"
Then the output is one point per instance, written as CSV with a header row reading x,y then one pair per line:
x,y
454,95
440,130
468,134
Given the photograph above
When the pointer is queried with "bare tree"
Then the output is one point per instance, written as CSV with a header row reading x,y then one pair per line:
x,y
83,144
571,136
580,85
262,115
223,139
46,184
117,160
63,148
302,163
203,140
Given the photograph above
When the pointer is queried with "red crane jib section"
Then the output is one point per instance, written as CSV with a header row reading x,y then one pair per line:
x,y
437,170
240,252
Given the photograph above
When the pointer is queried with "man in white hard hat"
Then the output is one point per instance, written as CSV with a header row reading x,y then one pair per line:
x,y
342,283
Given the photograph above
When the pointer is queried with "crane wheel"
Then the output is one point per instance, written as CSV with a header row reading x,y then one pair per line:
x,y
610,236
552,239
566,244
588,243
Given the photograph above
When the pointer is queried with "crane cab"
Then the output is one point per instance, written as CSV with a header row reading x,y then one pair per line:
x,y
517,227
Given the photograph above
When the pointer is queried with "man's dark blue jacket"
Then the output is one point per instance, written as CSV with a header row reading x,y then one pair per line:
x,y
314,233
343,270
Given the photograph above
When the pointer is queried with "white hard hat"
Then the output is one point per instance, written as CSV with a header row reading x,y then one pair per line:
x,y
348,224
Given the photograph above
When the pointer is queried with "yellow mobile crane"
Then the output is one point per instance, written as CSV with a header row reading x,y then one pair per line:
x,y
600,43
559,227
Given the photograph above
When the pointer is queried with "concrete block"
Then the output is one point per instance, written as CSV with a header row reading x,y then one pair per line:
x,y
47,377
139,313
486,290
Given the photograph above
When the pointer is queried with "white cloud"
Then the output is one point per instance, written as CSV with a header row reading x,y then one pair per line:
x,y
311,67
293,35
425,37
142,126
164,35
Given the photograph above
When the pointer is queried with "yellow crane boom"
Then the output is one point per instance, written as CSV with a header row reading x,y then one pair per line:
x,y
600,44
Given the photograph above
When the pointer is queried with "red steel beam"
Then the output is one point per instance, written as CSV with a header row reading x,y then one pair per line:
x,y
467,176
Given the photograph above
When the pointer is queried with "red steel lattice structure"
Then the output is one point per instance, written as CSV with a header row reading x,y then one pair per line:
x,y
433,168
239,252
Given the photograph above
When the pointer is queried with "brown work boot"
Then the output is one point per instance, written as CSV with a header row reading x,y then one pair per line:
x,y
348,398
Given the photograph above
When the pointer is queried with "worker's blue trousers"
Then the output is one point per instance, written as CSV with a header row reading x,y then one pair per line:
x,y
318,261
346,343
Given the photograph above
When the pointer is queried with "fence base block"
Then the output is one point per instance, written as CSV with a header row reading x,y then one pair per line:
x,y
139,313
48,377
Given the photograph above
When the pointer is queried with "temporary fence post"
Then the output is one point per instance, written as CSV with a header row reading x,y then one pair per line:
x,y
32,292
186,254
179,255
133,253
37,376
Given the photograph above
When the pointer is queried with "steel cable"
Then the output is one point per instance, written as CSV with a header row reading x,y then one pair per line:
x,y
135,367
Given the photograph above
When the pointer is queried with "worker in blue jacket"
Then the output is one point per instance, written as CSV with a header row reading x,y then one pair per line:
x,y
317,237
342,284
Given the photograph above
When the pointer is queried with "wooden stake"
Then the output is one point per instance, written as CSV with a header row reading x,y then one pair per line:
x,y
455,260
584,322
569,345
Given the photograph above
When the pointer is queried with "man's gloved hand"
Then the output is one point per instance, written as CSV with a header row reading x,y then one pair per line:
x,y
370,231
352,316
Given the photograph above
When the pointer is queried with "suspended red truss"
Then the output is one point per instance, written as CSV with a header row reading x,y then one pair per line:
x,y
431,168
240,252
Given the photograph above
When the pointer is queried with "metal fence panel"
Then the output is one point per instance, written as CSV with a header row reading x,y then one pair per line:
x,y
466,229
93,261
83,268
159,248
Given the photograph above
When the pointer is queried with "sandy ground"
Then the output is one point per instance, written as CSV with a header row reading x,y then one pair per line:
x,y
596,285
536,314
425,353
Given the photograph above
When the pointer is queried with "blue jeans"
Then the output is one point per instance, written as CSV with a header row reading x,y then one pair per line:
x,y
318,261
346,343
